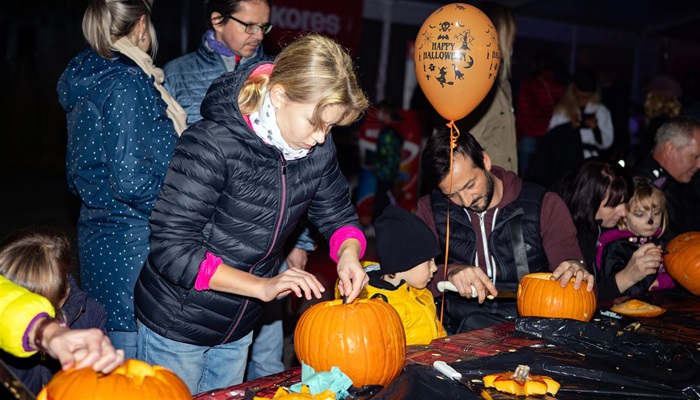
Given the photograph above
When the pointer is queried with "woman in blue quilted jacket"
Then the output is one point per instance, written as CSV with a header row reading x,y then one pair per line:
x,y
240,180
122,128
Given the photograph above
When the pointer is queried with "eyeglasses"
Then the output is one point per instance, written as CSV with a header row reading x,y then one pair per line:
x,y
252,29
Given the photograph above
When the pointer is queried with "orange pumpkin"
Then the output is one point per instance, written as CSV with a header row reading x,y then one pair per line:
x,y
533,385
682,260
539,296
132,381
365,339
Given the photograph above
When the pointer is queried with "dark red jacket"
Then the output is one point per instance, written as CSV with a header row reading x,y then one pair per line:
x,y
537,97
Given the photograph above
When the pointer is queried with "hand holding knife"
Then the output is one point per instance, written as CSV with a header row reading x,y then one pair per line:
x,y
447,285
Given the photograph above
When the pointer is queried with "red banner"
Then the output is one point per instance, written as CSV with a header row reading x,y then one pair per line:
x,y
340,20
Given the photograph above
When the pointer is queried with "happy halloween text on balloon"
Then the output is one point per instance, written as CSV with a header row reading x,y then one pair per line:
x,y
444,51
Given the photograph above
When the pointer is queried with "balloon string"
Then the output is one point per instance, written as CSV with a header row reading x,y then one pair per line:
x,y
454,135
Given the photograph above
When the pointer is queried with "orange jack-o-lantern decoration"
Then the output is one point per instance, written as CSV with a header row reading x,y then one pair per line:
x,y
457,59
135,380
682,261
540,296
521,383
365,339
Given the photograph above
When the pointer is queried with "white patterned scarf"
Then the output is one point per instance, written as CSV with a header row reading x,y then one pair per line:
x,y
264,123
175,112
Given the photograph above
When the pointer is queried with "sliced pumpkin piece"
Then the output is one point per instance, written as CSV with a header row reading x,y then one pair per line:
x,y
522,383
637,308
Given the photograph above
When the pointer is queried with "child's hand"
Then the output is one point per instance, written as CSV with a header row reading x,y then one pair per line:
x,y
352,277
292,280
645,261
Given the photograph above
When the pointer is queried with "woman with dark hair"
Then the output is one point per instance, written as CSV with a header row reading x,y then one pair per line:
x,y
596,193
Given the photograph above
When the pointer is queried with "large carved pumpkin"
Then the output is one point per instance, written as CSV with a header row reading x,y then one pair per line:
x,y
365,339
539,296
135,380
682,260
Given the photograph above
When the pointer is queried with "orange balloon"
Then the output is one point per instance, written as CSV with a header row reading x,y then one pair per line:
x,y
457,59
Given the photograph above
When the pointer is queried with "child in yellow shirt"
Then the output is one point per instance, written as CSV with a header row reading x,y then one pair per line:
x,y
406,249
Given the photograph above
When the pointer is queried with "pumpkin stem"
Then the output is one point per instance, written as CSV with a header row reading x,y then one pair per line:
x,y
521,374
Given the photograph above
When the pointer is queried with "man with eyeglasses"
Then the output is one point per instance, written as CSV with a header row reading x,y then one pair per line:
x,y
234,38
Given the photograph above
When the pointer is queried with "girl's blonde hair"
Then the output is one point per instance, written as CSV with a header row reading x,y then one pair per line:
x,y
657,103
647,197
311,69
39,260
568,104
106,21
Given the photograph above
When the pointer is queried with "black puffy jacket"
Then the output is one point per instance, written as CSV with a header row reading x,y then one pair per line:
x,y
522,214
228,193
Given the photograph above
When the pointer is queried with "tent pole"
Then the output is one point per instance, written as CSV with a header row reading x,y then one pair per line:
x,y
383,65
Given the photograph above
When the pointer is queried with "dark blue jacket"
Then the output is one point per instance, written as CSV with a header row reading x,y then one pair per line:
x,y
80,312
230,194
120,141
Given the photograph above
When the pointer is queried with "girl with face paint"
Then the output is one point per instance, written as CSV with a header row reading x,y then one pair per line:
x,y
631,254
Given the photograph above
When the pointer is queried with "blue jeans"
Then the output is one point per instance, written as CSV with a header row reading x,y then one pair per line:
x,y
202,368
526,148
125,340
266,353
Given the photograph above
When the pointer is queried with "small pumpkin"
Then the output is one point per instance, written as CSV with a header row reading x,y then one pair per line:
x,y
522,383
682,260
365,339
134,380
540,296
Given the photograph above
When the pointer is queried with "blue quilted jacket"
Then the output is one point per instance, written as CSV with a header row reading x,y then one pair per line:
x,y
187,78
230,194
120,141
